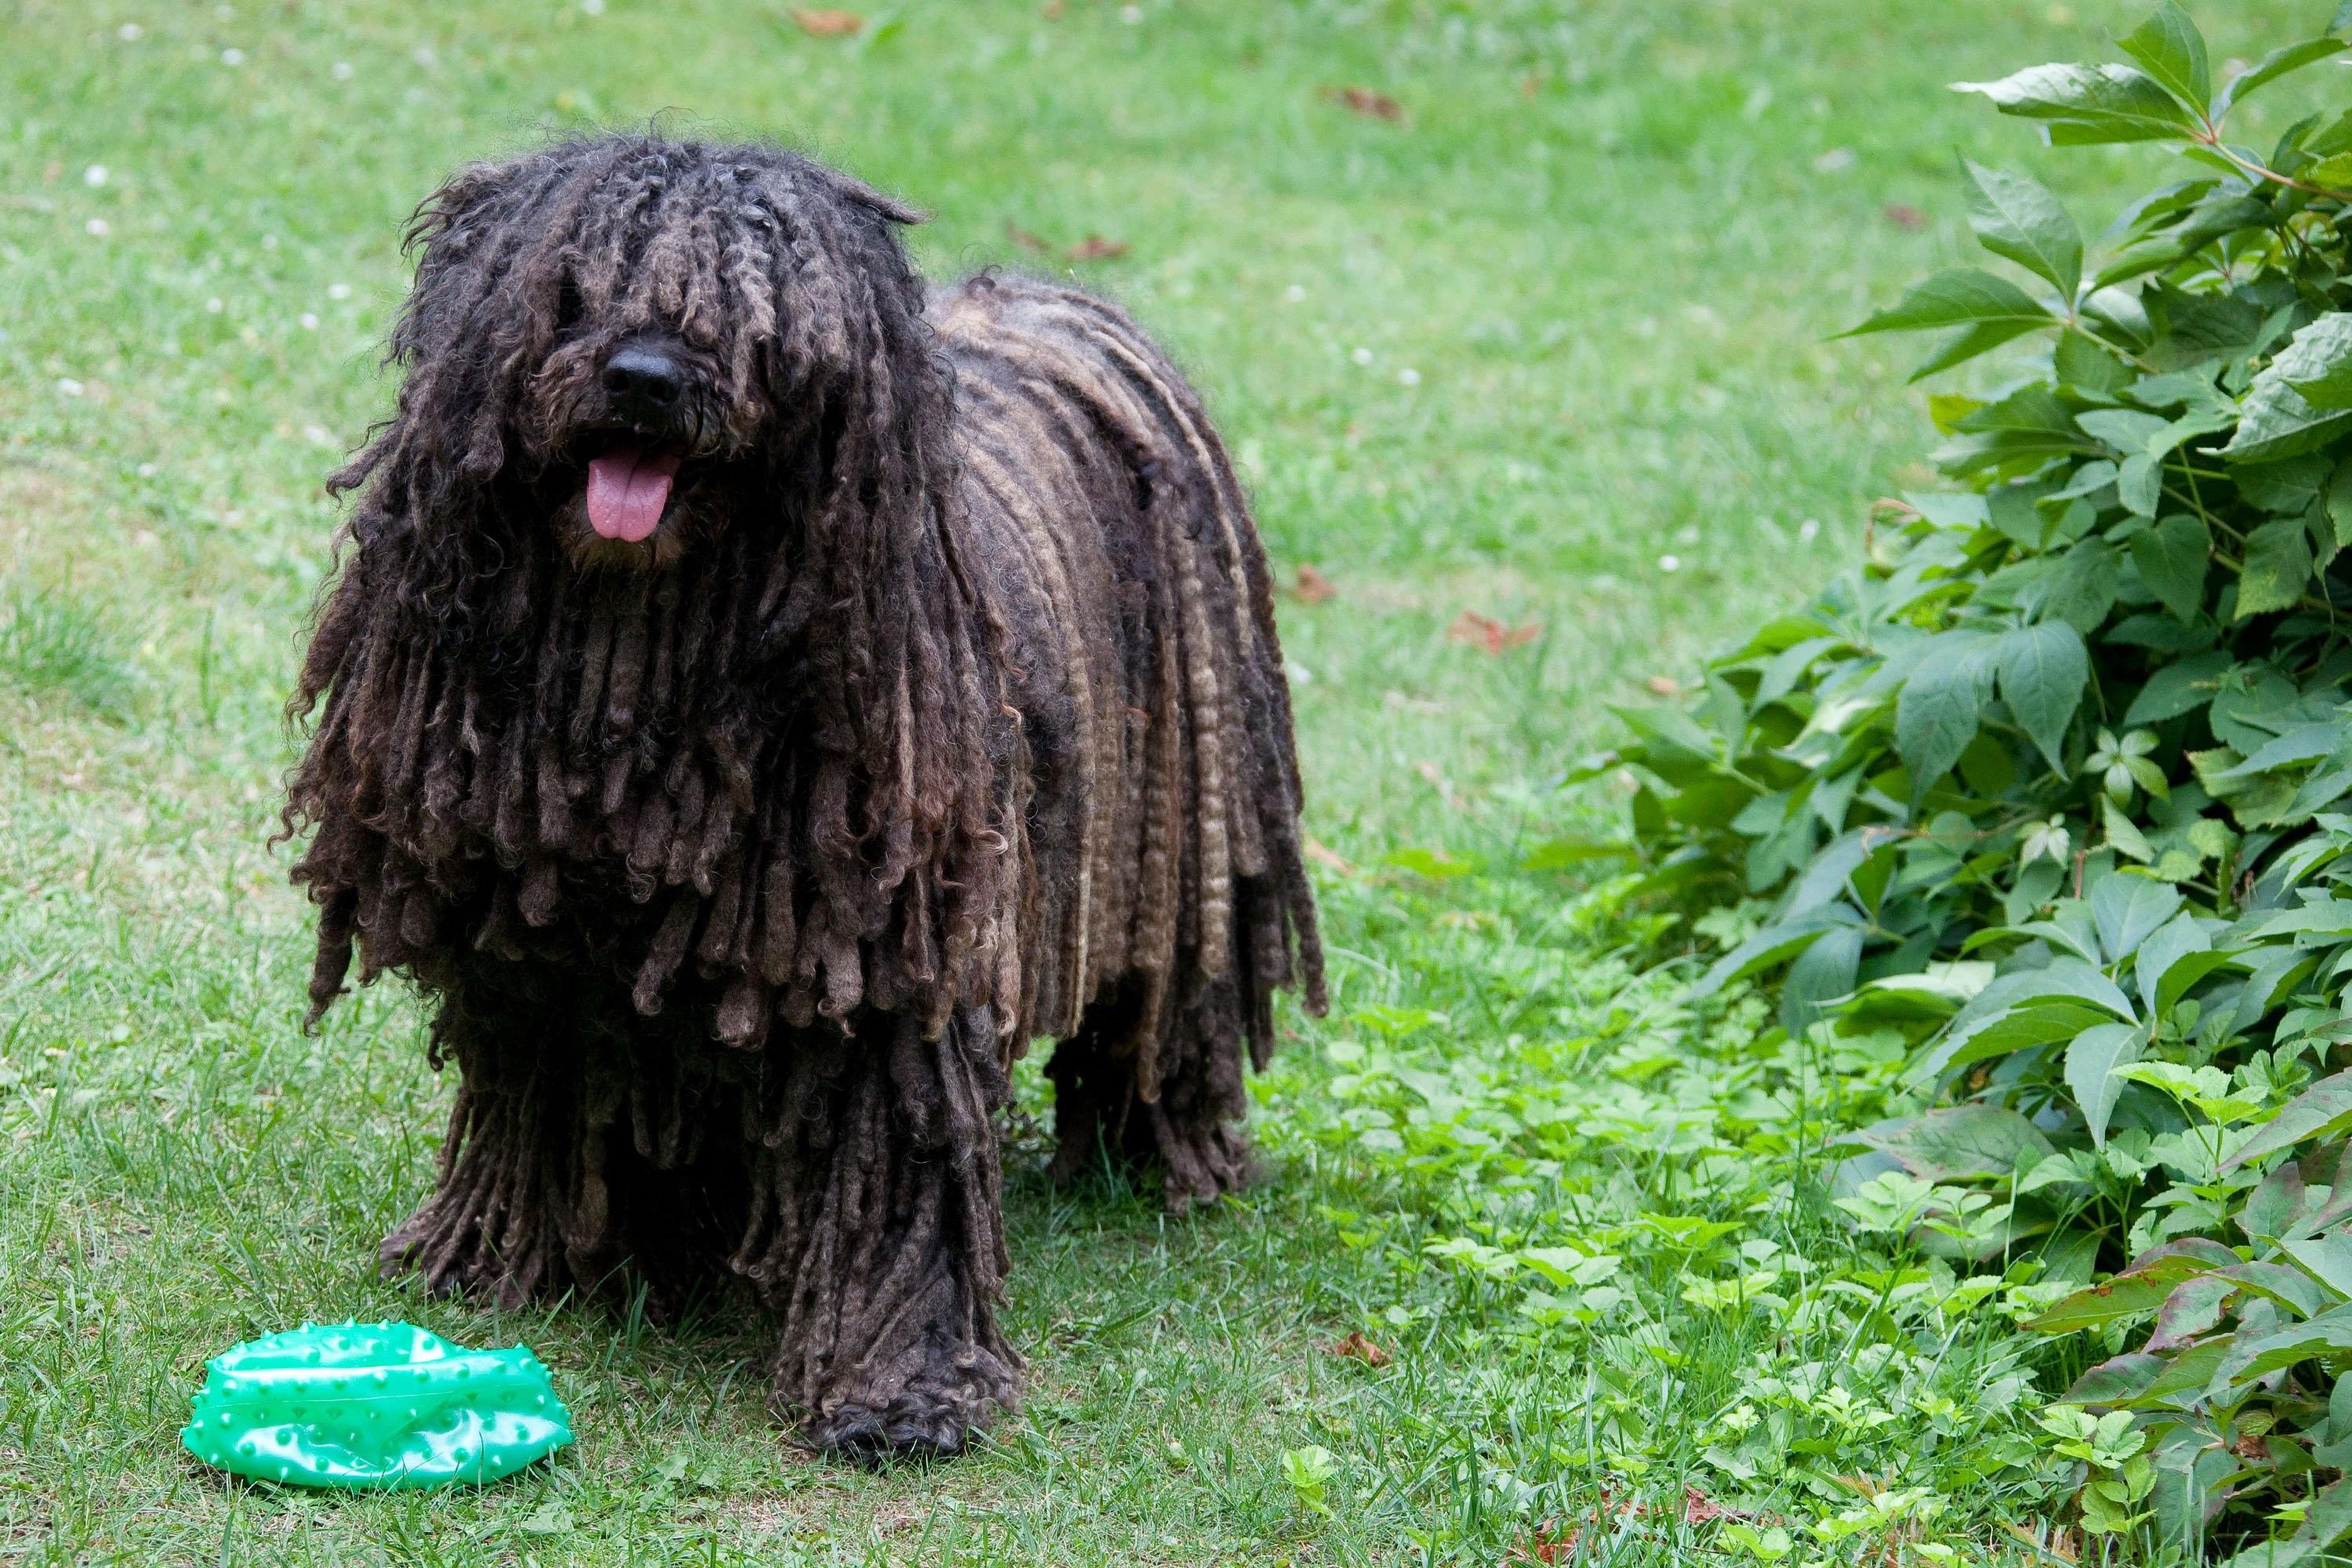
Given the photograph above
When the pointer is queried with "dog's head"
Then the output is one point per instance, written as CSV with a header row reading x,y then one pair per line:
x,y
636,343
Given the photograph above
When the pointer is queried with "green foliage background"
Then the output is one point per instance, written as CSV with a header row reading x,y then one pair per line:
x,y
2049,797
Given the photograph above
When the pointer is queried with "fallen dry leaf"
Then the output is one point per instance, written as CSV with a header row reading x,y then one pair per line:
x,y
1052,10
1356,1347
1549,1544
1330,859
1492,636
1365,102
1095,247
1023,238
1664,685
826,24
1700,1509
1902,215
1531,84
1312,587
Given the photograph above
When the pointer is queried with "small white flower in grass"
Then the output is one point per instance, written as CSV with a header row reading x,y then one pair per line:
x,y
69,386
1809,531
342,70
1670,562
94,176
97,226
215,306
1131,15
423,56
1686,536
1409,376
339,291
129,32
318,435
1836,160
309,322
592,7
148,470
269,242
1361,357
232,56
1294,293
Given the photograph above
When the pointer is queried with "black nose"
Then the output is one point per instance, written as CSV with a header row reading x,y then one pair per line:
x,y
644,378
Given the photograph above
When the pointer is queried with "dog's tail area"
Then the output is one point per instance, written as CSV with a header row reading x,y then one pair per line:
x,y
1156,695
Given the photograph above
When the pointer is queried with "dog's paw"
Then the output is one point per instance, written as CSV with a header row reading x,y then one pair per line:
x,y
899,1431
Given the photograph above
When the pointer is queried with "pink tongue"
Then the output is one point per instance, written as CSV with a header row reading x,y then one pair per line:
x,y
627,488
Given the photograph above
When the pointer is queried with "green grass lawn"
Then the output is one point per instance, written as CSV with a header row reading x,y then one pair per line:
x,y
1548,348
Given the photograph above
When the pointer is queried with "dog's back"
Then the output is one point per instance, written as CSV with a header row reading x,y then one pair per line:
x,y
1168,888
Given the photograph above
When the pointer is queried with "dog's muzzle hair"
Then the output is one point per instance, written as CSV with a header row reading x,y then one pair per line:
x,y
754,701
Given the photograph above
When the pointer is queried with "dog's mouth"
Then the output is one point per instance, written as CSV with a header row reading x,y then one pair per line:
x,y
628,488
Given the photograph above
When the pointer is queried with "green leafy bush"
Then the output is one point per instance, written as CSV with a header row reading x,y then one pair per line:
x,y
2056,790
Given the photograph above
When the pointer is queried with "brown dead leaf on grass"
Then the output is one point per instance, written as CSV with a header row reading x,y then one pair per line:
x,y
1023,238
1903,215
1549,1544
1095,247
1052,10
1365,102
1490,635
826,24
1312,587
1356,1347
1330,859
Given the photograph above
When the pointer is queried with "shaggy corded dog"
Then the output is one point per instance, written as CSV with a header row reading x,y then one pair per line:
x,y
757,700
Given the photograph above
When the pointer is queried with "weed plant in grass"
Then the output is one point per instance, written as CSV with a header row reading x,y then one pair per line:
x,y
1608,242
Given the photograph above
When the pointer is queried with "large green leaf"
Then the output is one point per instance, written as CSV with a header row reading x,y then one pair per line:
x,y
1960,1142
1821,973
2317,362
1772,946
2127,909
2043,671
2079,104
1941,704
2273,66
2091,1061
2276,419
2142,1287
2172,558
2323,1110
1986,311
2018,218
2277,566
2168,47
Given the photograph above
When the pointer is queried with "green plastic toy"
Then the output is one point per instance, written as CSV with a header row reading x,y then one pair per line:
x,y
374,1405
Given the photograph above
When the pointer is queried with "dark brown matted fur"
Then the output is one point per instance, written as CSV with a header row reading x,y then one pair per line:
x,y
944,709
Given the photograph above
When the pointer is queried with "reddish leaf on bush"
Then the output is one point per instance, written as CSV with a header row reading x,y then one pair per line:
x,y
1356,1347
1492,636
1365,102
826,24
1312,587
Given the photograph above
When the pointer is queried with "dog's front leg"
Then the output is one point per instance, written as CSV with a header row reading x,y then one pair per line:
x,y
519,1210
878,1235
